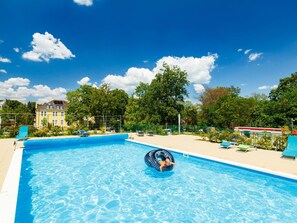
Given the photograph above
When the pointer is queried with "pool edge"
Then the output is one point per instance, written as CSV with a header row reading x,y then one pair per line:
x,y
9,192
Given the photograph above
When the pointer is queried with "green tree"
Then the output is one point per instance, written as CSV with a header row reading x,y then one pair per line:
x,y
15,112
79,104
161,101
209,104
231,111
284,101
189,114
87,102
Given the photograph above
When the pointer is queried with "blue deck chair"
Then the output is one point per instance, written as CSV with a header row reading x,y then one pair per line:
x,y
291,149
225,145
83,133
23,133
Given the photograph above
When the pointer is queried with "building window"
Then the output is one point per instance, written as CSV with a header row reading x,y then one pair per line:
x,y
41,113
53,122
62,113
56,122
62,122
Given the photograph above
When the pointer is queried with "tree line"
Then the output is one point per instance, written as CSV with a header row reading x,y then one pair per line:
x,y
165,97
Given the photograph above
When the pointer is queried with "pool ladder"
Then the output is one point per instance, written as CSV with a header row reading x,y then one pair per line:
x,y
186,155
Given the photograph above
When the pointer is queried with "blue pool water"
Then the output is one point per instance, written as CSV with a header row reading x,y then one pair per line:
x,y
111,183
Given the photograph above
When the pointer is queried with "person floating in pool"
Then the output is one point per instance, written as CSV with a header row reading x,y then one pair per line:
x,y
165,162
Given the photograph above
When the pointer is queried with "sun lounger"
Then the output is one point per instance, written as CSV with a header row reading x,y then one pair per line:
x,y
291,149
23,133
83,133
150,133
225,145
140,133
244,148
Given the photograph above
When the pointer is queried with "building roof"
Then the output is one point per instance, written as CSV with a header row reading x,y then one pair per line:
x,y
54,104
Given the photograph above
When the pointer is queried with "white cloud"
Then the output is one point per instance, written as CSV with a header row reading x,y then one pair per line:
x,y
84,2
5,60
16,49
84,81
17,81
3,71
247,51
18,89
198,70
131,79
239,50
46,47
274,86
199,88
254,56
264,87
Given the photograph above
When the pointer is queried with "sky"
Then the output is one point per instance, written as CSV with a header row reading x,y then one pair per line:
x,y
50,47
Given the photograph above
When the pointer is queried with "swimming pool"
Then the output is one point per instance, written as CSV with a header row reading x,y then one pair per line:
x,y
111,183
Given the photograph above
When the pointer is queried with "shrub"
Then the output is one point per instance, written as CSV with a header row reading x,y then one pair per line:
x,y
13,130
265,142
71,130
279,142
41,133
56,130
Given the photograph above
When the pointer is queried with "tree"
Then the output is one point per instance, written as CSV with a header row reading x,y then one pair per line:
x,y
189,114
79,104
284,101
88,101
231,111
15,112
161,101
209,100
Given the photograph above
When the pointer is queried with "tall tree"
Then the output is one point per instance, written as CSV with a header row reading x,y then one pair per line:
x,y
284,101
15,112
162,100
88,101
209,100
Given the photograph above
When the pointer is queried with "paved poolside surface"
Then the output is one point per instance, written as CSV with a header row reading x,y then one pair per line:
x,y
6,153
259,158
267,159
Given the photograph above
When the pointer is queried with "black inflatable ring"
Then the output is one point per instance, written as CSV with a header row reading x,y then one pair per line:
x,y
152,159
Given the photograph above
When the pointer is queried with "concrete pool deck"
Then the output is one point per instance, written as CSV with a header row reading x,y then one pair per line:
x,y
267,159
271,160
6,152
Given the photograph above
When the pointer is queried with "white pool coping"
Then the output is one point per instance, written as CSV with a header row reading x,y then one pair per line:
x,y
9,192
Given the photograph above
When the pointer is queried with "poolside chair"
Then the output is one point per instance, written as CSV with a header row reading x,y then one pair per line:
x,y
23,133
225,145
291,149
244,148
150,133
140,133
83,133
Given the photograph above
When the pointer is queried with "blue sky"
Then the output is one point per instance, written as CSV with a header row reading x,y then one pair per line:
x,y
49,47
